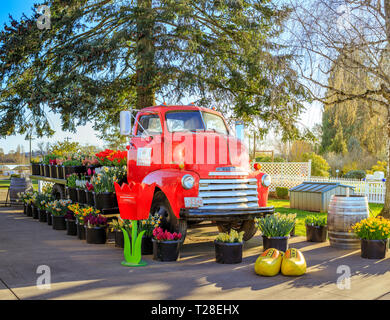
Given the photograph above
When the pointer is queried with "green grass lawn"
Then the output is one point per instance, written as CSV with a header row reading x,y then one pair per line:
x,y
283,206
4,183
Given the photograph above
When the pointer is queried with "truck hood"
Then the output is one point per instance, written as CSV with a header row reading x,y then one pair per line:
x,y
205,152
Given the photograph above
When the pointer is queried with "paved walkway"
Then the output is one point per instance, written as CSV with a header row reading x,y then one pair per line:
x,y
83,271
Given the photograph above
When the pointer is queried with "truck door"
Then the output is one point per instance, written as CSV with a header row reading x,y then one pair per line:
x,y
145,152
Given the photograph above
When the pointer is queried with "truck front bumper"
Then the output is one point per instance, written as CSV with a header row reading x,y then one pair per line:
x,y
225,215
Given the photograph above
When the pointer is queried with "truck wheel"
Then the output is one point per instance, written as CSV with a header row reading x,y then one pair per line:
x,y
58,191
169,221
248,226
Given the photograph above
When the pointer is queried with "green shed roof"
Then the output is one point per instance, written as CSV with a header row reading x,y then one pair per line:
x,y
318,187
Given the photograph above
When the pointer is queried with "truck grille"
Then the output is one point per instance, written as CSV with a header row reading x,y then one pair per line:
x,y
228,193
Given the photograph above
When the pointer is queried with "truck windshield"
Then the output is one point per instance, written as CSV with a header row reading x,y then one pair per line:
x,y
184,121
214,122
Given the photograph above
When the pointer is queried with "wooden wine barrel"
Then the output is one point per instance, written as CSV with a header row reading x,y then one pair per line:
x,y
342,214
18,185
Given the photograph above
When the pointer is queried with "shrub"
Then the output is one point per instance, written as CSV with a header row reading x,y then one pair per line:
x,y
355,174
319,166
269,159
282,192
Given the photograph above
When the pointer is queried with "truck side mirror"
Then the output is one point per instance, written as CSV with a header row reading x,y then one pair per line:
x,y
125,123
240,134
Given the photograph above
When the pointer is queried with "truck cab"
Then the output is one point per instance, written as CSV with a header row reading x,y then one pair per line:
x,y
185,164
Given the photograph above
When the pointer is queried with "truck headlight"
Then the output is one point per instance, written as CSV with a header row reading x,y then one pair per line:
x,y
266,180
187,181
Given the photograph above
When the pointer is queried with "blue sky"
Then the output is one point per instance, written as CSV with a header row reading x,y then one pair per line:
x,y
85,134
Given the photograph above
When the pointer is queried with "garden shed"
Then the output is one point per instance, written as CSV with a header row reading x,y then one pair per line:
x,y
315,196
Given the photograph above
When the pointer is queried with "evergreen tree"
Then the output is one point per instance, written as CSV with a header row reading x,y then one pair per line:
x,y
100,57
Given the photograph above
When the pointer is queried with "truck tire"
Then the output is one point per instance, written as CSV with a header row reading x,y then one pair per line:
x,y
169,221
248,226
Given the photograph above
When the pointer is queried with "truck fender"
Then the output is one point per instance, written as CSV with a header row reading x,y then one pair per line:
x,y
169,182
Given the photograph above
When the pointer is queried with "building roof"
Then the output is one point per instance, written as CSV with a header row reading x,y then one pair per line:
x,y
318,187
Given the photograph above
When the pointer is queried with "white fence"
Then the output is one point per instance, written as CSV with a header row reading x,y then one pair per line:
x,y
291,174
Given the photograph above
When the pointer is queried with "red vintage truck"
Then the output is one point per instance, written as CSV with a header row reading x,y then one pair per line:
x,y
185,164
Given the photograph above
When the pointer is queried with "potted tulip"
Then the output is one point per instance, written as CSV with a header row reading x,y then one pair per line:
x,y
374,234
53,167
96,229
59,208
46,168
276,230
116,227
148,226
60,169
73,166
42,200
80,189
35,169
71,186
228,247
316,228
166,245
91,163
89,198
103,187
71,227
34,206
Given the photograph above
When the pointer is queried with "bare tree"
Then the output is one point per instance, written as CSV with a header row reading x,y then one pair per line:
x,y
352,36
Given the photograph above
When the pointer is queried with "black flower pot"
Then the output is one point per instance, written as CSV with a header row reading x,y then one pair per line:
x,y
72,192
53,171
46,170
80,231
280,243
42,215
58,222
89,198
228,253
80,169
147,245
29,210
35,169
166,250
24,208
81,196
374,249
105,200
119,239
71,227
34,212
96,235
316,233
60,172
49,218
68,170
41,170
